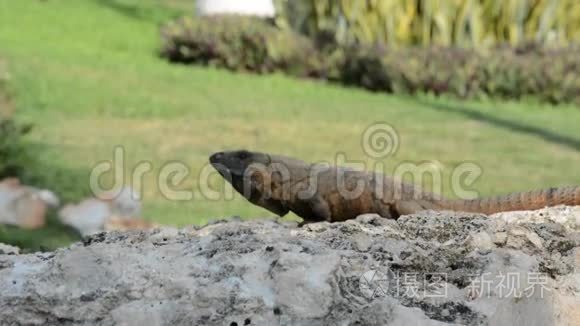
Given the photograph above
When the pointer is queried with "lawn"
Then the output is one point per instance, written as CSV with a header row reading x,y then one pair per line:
x,y
87,75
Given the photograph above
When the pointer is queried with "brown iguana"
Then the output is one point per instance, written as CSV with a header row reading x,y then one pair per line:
x,y
328,193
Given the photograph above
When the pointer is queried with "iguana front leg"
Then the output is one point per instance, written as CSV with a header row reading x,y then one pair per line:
x,y
319,211
320,208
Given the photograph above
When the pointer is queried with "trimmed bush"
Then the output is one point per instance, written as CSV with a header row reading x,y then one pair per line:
x,y
548,75
250,44
240,43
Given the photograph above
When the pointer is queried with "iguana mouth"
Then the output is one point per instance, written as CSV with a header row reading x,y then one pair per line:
x,y
216,157
216,160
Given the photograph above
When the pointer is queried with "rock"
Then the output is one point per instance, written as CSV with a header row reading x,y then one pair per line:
x,y
8,249
500,238
109,211
567,216
24,206
164,235
88,217
424,269
520,237
116,223
123,202
482,240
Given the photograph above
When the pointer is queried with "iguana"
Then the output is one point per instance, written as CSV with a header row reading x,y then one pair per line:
x,y
329,193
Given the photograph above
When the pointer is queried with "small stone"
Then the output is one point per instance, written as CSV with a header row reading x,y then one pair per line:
x,y
519,237
22,205
8,249
362,242
500,238
4,263
535,239
368,218
108,211
164,235
482,240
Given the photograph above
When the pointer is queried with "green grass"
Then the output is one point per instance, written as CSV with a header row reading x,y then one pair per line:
x,y
87,74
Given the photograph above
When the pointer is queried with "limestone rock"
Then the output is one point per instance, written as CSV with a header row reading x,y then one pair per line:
x,y
424,269
8,249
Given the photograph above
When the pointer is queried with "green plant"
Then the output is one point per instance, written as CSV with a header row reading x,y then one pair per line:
x,y
240,44
13,154
550,75
466,23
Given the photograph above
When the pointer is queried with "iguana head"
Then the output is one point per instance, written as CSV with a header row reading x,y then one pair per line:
x,y
237,163
248,172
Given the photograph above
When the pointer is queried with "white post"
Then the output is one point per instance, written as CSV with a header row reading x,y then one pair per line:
x,y
260,8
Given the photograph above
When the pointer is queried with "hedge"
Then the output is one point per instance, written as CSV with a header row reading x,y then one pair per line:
x,y
240,44
550,75
252,45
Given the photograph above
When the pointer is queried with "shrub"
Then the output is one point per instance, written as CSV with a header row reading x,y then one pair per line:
x,y
240,44
548,75
13,156
250,44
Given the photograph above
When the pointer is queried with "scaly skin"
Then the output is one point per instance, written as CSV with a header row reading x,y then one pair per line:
x,y
529,200
282,184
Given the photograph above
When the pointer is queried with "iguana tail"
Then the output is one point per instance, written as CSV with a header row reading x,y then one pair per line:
x,y
530,200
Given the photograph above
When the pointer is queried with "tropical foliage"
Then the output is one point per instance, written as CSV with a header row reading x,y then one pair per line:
x,y
478,23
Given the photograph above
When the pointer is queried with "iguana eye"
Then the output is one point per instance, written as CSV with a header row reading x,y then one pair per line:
x,y
243,155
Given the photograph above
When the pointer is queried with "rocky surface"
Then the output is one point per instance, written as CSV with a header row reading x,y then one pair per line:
x,y
425,269
8,249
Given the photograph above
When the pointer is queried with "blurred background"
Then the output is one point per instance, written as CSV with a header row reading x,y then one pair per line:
x,y
494,82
